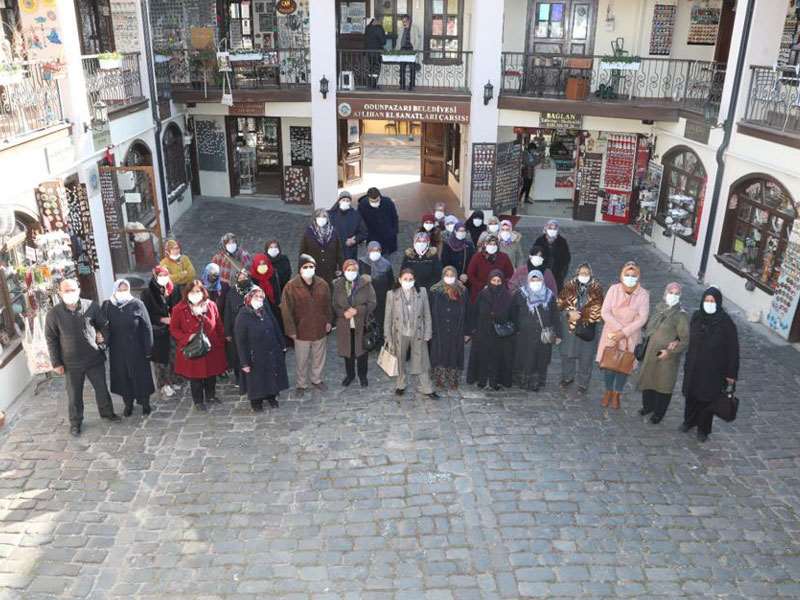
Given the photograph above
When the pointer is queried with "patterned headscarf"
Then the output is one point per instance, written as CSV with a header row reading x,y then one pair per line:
x,y
535,299
323,235
216,284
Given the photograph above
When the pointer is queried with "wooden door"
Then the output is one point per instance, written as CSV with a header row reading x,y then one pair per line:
x,y
561,26
725,31
231,131
351,150
95,27
433,154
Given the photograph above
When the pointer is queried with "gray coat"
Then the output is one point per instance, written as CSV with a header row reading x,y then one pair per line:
x,y
363,300
71,335
423,330
665,325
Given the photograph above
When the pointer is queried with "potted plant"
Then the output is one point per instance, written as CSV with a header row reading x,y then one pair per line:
x,y
110,60
245,54
621,62
399,56
10,73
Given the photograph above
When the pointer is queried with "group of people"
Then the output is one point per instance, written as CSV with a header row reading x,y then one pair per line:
x,y
460,282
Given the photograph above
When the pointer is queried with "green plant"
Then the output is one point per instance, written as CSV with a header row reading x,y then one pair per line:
x,y
609,58
399,52
109,56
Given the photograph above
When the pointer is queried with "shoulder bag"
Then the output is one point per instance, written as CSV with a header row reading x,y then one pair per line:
x,y
504,329
641,349
371,334
727,404
199,345
548,335
585,331
618,360
388,361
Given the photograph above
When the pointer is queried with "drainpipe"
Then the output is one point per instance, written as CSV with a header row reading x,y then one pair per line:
x,y
151,79
726,138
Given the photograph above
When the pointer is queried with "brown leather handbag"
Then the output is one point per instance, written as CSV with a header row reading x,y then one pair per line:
x,y
618,360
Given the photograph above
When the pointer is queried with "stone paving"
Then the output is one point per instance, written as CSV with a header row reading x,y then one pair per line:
x,y
354,495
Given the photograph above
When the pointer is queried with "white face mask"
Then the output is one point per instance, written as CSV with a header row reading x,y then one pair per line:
x,y
494,228
710,307
374,256
450,227
322,221
552,233
262,269
162,281
195,297
505,235
175,257
344,205
672,299
535,285
273,252
375,203
231,247
449,280
460,235
125,296
256,303
584,279
428,226
477,222
420,247
308,272
439,215
491,249
537,261
350,275
630,281
407,284
71,297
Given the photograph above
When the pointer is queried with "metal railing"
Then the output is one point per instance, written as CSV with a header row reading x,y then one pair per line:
x,y
163,83
29,100
374,69
694,84
774,98
199,69
117,87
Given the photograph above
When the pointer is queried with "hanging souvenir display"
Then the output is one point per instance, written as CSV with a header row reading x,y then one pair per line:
x,y
50,199
703,24
661,30
80,225
621,152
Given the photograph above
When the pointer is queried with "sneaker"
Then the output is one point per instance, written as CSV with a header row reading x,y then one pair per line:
x,y
167,391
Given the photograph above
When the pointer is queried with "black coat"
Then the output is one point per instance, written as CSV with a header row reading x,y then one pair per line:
x,y
68,335
458,260
530,352
556,257
381,284
427,268
283,273
382,223
491,357
130,341
158,306
260,346
234,302
348,223
449,320
712,356
374,37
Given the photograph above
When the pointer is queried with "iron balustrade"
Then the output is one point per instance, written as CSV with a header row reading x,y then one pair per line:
x,y
693,84
116,87
374,69
29,100
773,100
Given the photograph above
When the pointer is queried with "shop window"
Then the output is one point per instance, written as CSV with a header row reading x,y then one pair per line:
x,y
174,159
565,27
443,30
454,150
682,190
390,13
95,27
240,24
757,225
138,209
13,304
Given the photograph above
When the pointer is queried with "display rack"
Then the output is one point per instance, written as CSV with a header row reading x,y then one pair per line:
x,y
621,151
246,156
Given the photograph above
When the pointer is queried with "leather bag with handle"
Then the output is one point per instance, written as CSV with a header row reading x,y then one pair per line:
x,y
198,346
727,405
618,360
388,361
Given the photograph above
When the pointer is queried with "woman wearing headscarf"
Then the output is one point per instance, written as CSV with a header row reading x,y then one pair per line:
x,y
193,314
353,303
712,362
430,226
476,226
260,346
667,333
382,278
458,250
231,258
439,214
581,301
492,355
130,341
262,274
349,226
321,243
423,260
533,312
281,265
448,226
535,262
487,259
557,254
159,298
181,270
216,289
234,301
511,243
626,308
449,301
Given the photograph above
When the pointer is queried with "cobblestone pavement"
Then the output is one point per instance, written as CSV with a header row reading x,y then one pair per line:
x,y
358,496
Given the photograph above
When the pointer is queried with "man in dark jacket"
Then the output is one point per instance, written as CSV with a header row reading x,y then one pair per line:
x,y
380,215
75,330
349,225
374,41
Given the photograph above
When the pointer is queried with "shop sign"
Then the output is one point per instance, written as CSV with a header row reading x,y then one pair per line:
x,y
697,131
559,120
60,156
248,109
420,110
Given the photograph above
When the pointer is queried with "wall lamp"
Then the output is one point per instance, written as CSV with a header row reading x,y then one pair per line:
x,y
99,117
323,87
488,93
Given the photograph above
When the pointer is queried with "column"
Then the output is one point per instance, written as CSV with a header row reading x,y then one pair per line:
x,y
324,136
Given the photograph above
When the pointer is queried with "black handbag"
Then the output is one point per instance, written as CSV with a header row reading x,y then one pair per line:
x,y
585,331
504,329
727,405
198,346
641,349
372,336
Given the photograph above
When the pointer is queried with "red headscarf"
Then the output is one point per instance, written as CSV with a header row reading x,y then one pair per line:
x,y
160,271
264,281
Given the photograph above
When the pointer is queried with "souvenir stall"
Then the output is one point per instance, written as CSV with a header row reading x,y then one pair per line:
x,y
555,174
627,156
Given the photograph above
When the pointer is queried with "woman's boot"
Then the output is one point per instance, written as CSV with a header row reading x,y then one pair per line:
x,y
606,398
615,400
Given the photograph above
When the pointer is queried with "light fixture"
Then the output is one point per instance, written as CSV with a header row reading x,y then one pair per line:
x,y
323,87
99,117
488,93
710,114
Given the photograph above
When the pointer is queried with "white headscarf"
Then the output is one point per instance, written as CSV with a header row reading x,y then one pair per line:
x,y
117,284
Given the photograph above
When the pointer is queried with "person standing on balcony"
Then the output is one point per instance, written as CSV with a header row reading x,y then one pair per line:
x,y
410,40
374,41
380,215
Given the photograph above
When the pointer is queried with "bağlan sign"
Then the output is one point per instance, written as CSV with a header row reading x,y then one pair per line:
x,y
418,110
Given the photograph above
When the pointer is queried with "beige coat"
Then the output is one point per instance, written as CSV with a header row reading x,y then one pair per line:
x,y
662,329
423,330
363,301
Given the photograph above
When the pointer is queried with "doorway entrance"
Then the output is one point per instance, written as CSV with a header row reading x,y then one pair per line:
x,y
256,153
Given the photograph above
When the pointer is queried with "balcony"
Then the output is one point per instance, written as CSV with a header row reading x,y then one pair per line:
x,y
118,83
646,88
29,101
437,72
773,105
195,75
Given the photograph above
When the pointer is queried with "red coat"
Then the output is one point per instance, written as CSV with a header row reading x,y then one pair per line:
x,y
183,324
479,268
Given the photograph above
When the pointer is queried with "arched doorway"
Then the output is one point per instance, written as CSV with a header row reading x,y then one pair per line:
x,y
683,188
136,186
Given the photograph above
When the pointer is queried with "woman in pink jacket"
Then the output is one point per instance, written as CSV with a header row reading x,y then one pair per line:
x,y
625,311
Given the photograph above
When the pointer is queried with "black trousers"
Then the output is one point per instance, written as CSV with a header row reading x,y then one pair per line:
x,y
360,362
412,68
698,413
200,386
74,379
525,194
656,403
